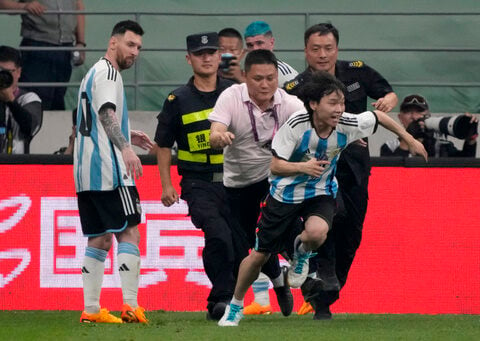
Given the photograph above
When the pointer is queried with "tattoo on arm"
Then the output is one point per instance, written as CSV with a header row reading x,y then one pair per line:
x,y
112,128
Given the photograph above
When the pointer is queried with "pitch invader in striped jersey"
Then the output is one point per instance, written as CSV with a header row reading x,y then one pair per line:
x,y
302,182
105,168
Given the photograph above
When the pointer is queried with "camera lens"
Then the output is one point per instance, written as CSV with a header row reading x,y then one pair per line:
x,y
6,79
226,59
456,126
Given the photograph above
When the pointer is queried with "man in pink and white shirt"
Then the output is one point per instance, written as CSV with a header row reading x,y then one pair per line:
x,y
244,120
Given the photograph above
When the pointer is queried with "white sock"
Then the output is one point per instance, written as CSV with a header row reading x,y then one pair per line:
x,y
129,270
278,282
260,290
236,302
92,277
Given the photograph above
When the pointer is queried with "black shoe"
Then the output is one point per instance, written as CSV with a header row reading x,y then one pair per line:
x,y
322,313
210,306
215,310
218,310
284,295
311,288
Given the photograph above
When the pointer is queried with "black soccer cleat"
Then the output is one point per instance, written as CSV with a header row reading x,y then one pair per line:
x,y
322,312
284,295
311,288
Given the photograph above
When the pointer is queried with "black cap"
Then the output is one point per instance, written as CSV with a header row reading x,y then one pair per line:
x,y
202,41
414,101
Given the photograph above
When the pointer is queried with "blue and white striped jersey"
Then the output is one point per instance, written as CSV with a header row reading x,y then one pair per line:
x,y
98,164
297,141
286,73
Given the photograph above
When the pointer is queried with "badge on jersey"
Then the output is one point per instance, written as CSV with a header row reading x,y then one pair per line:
x,y
199,140
356,64
290,85
334,152
352,87
171,97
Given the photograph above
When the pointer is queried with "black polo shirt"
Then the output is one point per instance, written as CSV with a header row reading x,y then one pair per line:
x,y
188,101
361,82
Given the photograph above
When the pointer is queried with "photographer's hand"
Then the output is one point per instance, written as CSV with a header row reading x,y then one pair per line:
x,y
234,72
472,134
417,129
7,95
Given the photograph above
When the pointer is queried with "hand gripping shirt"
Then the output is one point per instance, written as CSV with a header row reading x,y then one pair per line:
x,y
98,163
297,141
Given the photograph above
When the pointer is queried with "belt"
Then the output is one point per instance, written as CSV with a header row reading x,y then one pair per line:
x,y
210,176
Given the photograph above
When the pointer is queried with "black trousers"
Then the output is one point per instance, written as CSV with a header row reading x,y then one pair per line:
x,y
245,205
208,209
335,256
47,66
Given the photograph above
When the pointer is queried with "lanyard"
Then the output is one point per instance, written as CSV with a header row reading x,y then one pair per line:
x,y
254,125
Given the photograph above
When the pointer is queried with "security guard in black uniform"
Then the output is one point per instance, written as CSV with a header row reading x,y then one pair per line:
x,y
184,119
336,255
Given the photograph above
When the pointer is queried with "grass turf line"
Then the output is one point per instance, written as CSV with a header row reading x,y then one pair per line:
x,y
65,325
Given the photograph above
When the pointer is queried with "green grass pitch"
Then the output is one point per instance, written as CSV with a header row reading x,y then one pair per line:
x,y
64,325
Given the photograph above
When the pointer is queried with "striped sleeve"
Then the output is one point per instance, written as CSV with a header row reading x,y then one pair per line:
x,y
107,86
357,126
286,73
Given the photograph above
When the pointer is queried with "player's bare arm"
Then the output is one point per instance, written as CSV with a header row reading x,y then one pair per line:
x,y
312,167
112,128
220,137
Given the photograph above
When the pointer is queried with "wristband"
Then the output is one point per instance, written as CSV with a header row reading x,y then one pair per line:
x,y
81,43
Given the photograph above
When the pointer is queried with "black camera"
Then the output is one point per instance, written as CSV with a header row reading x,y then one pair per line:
x,y
6,79
456,126
226,60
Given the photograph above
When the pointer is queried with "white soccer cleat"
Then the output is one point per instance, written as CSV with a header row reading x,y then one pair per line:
x,y
298,271
233,315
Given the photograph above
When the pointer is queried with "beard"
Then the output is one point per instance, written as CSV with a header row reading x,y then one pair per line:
x,y
125,63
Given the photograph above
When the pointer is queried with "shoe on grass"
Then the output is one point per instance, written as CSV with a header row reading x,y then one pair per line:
x,y
103,316
256,309
233,315
130,315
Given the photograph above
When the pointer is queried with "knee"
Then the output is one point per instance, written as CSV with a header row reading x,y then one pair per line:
x,y
103,242
129,235
316,229
258,258
319,235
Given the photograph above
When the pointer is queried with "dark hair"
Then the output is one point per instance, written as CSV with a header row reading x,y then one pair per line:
x,y
127,25
322,29
260,57
9,54
230,32
320,85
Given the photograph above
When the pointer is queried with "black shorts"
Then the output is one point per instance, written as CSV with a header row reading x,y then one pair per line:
x,y
278,226
109,211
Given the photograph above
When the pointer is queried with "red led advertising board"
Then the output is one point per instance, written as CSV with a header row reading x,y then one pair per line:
x,y
420,251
